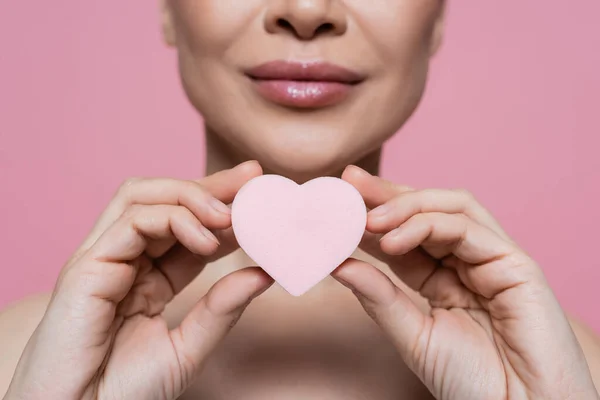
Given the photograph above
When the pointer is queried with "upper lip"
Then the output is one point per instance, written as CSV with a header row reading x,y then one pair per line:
x,y
304,71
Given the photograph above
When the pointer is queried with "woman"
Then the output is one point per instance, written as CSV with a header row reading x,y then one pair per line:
x,y
146,306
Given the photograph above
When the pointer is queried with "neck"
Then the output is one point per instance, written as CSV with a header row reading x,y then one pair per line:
x,y
220,156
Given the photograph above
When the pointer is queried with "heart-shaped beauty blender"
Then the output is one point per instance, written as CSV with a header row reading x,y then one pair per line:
x,y
298,233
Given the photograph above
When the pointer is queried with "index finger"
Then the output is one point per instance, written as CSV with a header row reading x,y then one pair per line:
x,y
222,185
225,184
374,190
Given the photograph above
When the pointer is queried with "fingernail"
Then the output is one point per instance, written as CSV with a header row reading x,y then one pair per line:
x,y
360,170
219,206
209,235
343,282
246,163
255,295
380,211
391,234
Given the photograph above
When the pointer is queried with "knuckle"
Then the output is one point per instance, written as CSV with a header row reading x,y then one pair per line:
x,y
526,274
467,196
524,266
463,192
83,275
198,188
128,186
191,192
132,211
181,213
130,182
422,218
462,218
426,199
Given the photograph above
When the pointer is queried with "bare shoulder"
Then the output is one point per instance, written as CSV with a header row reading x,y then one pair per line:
x,y
590,343
17,323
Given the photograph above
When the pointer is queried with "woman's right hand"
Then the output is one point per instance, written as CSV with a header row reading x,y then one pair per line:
x,y
103,336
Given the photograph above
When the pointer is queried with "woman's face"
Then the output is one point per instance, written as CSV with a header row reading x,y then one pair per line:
x,y
304,86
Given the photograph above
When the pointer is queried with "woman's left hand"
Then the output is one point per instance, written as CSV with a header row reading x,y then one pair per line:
x,y
495,329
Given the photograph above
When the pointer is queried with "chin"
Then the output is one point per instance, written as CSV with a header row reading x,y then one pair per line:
x,y
304,150
302,166
302,163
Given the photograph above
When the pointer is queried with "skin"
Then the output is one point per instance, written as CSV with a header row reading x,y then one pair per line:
x,y
151,304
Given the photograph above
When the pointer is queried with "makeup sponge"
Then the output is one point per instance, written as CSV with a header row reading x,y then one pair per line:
x,y
298,233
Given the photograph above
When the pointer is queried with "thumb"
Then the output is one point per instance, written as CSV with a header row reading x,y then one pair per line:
x,y
396,314
213,317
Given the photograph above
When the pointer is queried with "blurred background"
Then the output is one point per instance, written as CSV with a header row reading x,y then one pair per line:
x,y
89,96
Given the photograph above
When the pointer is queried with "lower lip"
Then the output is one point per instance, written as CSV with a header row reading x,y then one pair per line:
x,y
303,94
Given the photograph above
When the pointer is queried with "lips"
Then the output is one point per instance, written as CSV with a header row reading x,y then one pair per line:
x,y
304,85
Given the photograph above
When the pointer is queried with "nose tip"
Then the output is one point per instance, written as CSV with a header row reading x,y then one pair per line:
x,y
306,19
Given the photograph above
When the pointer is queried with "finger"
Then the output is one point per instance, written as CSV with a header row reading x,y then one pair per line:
x,y
108,270
399,209
225,184
157,191
182,266
129,236
377,192
389,306
413,268
374,190
212,318
446,234
485,263
204,197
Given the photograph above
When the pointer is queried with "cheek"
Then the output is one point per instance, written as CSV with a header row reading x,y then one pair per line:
x,y
208,27
400,32
207,31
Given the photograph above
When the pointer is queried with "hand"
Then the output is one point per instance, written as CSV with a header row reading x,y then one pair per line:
x,y
495,329
103,336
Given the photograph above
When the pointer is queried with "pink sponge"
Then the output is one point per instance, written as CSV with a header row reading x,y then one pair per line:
x,y
298,233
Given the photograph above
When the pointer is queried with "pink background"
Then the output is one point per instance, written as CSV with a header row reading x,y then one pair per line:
x,y
89,96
